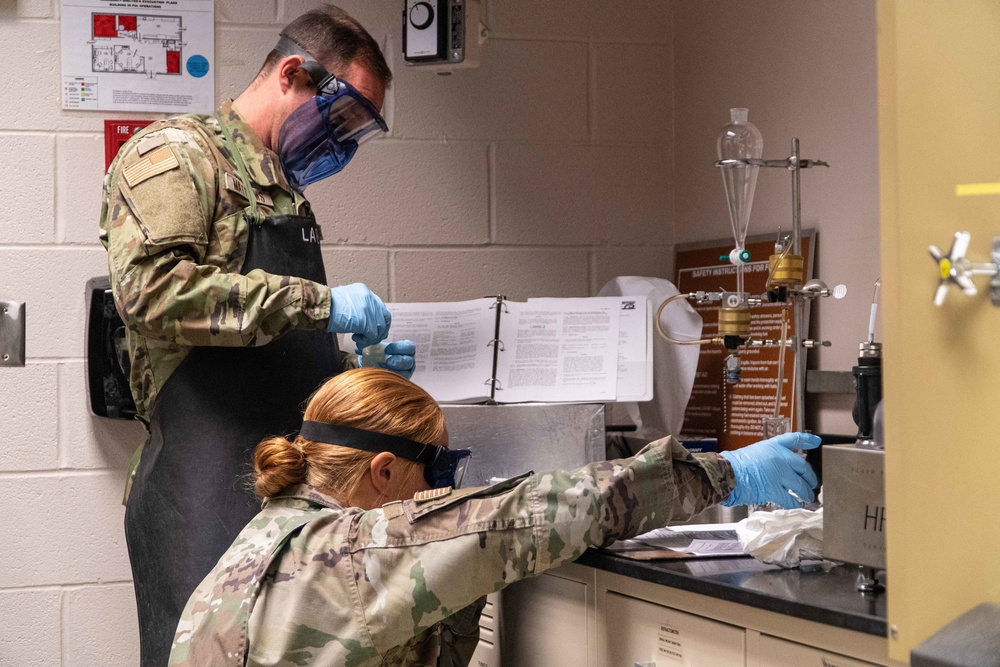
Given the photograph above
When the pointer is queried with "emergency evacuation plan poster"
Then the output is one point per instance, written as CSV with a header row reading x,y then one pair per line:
x,y
138,55
733,413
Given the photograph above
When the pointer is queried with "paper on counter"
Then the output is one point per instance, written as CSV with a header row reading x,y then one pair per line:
x,y
696,540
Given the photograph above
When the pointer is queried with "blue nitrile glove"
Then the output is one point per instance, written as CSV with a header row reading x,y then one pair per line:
x,y
357,310
397,357
765,471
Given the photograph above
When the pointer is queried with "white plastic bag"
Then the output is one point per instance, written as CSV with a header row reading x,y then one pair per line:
x,y
783,537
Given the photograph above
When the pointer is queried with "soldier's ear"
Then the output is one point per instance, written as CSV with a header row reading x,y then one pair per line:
x,y
291,74
381,471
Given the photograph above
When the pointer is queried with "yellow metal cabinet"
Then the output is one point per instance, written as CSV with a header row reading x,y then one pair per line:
x,y
939,143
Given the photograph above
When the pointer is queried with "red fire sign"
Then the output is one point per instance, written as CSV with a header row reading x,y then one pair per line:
x,y
116,133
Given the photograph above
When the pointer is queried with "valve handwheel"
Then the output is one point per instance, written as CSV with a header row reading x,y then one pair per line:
x,y
953,268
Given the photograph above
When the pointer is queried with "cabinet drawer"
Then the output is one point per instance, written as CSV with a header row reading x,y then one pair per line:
x,y
544,623
776,652
636,631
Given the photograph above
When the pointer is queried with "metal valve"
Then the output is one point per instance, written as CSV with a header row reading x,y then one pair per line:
x,y
955,269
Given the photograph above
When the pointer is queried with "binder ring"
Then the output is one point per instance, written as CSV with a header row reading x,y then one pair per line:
x,y
501,301
497,385
498,342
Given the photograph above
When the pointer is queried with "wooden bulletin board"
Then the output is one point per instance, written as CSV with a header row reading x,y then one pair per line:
x,y
732,413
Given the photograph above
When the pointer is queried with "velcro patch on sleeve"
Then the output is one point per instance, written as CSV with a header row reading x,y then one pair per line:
x,y
431,494
149,143
157,162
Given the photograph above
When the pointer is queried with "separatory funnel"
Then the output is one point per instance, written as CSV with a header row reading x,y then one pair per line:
x,y
741,142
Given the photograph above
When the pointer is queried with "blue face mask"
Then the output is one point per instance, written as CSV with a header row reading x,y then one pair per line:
x,y
318,139
307,147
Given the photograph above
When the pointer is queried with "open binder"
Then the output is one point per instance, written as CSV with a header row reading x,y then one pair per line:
x,y
496,350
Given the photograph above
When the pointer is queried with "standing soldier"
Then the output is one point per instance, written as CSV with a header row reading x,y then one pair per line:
x,y
216,270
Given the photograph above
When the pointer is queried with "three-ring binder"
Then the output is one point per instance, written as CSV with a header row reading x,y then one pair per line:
x,y
498,347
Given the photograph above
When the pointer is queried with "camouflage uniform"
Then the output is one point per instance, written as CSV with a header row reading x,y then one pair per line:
x,y
174,226
309,582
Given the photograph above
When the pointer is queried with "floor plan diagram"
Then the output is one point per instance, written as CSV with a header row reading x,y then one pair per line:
x,y
138,44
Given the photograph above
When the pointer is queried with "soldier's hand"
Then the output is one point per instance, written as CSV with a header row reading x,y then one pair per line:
x,y
401,357
357,310
766,471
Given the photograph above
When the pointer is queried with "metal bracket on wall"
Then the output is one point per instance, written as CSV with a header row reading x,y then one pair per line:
x,y
11,333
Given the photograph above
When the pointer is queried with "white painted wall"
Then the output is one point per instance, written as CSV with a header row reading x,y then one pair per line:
x,y
542,173
806,70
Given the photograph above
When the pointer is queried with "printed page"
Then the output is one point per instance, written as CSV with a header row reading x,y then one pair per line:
x,y
703,540
454,358
559,350
635,348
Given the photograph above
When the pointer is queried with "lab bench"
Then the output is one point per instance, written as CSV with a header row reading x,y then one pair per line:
x,y
606,610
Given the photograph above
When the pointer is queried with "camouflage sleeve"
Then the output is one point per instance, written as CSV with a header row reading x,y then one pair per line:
x,y
418,563
159,207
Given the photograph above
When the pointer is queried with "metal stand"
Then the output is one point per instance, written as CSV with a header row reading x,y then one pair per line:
x,y
869,581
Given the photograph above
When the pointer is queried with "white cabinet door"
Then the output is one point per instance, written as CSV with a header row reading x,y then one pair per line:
x,y
544,623
781,653
636,631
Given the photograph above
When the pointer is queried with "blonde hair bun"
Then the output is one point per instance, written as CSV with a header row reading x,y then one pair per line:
x,y
278,463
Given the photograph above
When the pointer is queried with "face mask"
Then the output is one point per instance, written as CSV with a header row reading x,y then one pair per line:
x,y
306,145
442,466
320,137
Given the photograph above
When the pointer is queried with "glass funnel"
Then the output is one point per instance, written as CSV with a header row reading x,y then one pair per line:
x,y
739,140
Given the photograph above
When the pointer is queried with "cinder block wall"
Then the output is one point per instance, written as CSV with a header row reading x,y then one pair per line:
x,y
542,173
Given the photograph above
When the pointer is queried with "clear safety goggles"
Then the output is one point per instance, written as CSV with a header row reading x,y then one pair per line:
x,y
353,119
442,466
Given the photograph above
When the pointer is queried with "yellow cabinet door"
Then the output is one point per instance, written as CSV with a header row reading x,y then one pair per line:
x,y
939,136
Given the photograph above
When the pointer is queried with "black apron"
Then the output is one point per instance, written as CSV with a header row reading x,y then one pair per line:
x,y
192,492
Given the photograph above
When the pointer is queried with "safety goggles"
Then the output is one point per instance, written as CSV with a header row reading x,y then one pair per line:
x,y
352,118
442,466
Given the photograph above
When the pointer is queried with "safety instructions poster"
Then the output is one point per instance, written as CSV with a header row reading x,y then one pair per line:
x,y
734,413
138,55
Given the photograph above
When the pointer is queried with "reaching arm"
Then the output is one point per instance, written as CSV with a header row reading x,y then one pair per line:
x,y
417,563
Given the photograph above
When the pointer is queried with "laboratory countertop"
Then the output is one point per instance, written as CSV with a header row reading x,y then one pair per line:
x,y
810,593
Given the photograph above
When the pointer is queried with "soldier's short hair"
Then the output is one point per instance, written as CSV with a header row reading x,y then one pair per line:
x,y
336,40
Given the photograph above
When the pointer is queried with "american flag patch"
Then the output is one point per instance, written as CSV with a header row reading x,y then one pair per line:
x,y
157,162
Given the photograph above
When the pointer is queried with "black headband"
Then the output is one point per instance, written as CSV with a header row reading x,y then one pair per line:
x,y
317,72
370,441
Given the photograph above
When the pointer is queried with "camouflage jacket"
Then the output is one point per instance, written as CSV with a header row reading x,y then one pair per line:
x,y
173,221
309,582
